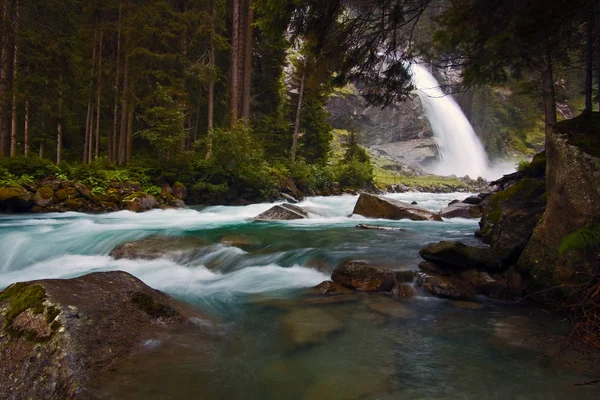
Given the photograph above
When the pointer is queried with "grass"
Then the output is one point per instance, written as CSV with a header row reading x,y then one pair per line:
x,y
385,177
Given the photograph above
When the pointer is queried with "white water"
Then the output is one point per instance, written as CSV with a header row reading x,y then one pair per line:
x,y
461,150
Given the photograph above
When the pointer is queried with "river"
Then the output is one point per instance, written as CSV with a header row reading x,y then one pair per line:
x,y
429,348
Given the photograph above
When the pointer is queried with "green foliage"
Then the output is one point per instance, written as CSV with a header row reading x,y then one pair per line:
x,y
587,238
153,190
21,297
355,174
35,167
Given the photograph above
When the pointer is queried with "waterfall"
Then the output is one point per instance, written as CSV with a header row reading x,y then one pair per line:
x,y
461,151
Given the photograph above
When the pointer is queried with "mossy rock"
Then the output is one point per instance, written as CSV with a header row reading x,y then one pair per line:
x,y
152,307
11,193
76,205
15,199
67,193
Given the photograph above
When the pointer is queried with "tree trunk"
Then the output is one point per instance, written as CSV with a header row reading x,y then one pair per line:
x,y
130,114
597,13
211,87
113,152
13,114
589,61
59,125
298,112
124,109
235,56
26,131
41,149
548,91
90,109
248,65
4,68
99,96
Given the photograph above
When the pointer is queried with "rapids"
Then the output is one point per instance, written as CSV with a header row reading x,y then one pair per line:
x,y
437,350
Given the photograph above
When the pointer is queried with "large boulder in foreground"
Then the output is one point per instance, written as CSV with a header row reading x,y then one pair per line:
x,y
359,275
57,335
459,255
372,206
154,247
282,212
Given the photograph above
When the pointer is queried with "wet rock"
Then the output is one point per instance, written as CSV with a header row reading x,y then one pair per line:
x,y
59,334
414,203
309,326
154,247
485,284
361,276
44,196
83,191
446,286
473,200
330,288
433,268
388,307
288,198
404,291
180,191
140,202
461,210
244,242
79,204
372,206
15,199
467,305
380,228
282,212
166,190
459,255
67,193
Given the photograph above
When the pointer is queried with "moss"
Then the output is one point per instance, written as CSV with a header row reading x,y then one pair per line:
x,y
7,193
150,306
46,192
583,132
75,204
67,193
51,313
134,196
21,297
525,190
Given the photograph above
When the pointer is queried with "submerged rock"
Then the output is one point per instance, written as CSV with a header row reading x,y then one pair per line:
x,y
459,255
389,307
371,206
282,212
309,326
380,228
361,276
330,288
446,286
153,247
59,334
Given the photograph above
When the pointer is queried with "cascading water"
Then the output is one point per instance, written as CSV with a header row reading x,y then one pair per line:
x,y
461,151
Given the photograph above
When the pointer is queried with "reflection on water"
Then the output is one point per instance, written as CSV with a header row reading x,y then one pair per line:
x,y
272,341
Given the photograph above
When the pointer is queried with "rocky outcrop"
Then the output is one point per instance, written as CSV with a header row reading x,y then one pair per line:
x,y
461,210
360,275
459,255
15,199
140,202
58,334
282,212
154,247
573,203
372,206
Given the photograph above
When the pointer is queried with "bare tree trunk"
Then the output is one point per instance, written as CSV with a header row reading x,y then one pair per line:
x,y
113,152
235,56
589,61
26,131
99,95
4,68
298,113
211,88
59,125
130,113
248,65
90,109
597,13
13,116
41,149
124,109
548,91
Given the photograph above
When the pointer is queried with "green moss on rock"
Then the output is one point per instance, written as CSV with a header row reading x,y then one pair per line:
x,y
150,306
21,297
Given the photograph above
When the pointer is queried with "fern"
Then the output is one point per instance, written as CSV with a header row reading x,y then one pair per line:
x,y
583,239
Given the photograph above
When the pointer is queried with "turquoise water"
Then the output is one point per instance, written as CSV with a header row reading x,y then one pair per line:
x,y
364,347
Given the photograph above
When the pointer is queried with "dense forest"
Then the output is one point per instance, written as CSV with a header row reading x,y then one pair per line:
x,y
235,90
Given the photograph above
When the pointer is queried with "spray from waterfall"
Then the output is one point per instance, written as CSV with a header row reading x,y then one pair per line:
x,y
461,151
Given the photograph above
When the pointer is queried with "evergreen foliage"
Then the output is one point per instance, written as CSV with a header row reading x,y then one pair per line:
x,y
587,238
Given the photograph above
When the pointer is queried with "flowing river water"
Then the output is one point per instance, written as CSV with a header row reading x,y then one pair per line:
x,y
365,347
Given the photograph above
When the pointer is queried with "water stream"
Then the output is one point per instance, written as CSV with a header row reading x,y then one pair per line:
x,y
424,348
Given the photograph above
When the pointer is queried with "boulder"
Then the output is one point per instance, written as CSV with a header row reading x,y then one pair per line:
x,y
67,192
459,255
461,210
282,212
180,191
361,276
372,206
244,242
330,288
140,202
288,198
154,247
446,286
15,199
389,307
309,326
44,196
473,200
57,335
83,191
380,228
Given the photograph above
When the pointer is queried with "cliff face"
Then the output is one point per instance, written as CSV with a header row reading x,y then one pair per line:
x,y
573,202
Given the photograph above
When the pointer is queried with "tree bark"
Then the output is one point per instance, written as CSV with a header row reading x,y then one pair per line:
x,y
130,115
113,152
59,125
99,95
41,149
4,68
211,87
298,112
13,114
90,109
597,13
26,131
124,110
589,60
548,91
235,56
248,65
